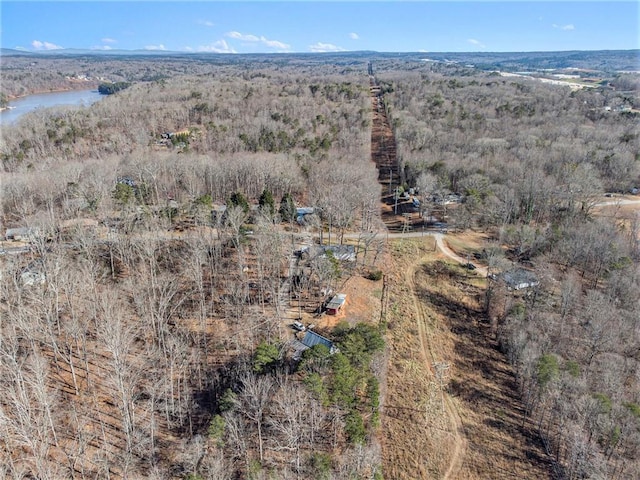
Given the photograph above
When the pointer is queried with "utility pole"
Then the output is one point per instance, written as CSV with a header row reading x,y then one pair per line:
x,y
395,206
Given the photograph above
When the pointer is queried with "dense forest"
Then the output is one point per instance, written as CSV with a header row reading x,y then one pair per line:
x,y
145,351
144,322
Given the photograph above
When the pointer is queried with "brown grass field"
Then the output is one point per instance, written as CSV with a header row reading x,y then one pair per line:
x,y
451,408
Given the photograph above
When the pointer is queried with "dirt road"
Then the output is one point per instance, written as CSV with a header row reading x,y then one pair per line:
x,y
431,359
444,248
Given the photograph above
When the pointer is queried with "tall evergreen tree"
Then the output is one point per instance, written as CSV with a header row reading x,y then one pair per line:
x,y
287,208
267,202
237,199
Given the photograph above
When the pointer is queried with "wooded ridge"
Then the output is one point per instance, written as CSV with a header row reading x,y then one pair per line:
x,y
160,243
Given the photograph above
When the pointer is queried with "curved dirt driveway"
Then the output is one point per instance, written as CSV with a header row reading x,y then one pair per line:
x,y
444,248
440,242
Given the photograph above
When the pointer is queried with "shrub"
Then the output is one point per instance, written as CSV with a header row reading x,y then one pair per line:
x,y
216,430
320,465
374,275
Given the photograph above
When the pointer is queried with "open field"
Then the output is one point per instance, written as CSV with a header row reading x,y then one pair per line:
x,y
451,408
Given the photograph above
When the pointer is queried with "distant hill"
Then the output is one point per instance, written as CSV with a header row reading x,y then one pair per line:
x,y
602,60
12,52
605,60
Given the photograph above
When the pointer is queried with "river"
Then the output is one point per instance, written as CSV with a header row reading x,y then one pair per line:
x,y
29,103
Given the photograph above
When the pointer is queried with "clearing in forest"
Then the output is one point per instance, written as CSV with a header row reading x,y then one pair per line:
x,y
452,408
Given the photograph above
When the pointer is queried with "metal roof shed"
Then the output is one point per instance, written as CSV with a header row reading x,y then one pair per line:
x,y
336,303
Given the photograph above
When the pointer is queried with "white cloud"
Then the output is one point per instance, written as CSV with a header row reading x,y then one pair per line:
x,y
325,47
247,37
220,46
206,23
275,44
243,37
567,27
475,42
354,36
155,47
109,40
101,47
38,45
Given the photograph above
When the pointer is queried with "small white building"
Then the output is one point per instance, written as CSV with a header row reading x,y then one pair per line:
x,y
336,303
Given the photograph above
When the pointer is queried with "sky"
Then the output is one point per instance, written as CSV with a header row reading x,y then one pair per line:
x,y
327,26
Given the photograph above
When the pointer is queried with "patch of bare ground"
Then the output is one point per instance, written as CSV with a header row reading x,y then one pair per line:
x,y
363,299
625,210
472,427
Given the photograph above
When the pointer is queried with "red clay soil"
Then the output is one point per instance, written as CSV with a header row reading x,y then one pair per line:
x,y
395,215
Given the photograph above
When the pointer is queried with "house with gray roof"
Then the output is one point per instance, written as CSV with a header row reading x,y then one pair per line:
x,y
519,278
311,339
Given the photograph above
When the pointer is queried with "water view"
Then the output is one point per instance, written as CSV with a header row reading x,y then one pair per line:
x,y
19,107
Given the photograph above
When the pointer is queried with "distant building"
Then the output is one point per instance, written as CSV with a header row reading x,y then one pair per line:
x,y
302,213
33,275
22,234
304,210
311,339
344,253
80,223
30,279
127,181
218,212
336,303
520,278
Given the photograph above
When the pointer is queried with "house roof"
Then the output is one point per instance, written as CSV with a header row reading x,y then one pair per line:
x,y
520,278
20,232
312,339
341,252
304,211
298,348
337,301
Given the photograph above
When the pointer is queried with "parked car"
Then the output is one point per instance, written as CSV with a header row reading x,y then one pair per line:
x,y
298,326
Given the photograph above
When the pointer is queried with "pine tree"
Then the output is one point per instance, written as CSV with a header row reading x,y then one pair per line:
x,y
287,208
267,203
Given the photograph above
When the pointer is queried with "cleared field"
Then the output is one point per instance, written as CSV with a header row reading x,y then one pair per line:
x,y
451,409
